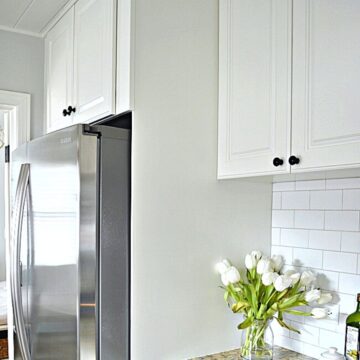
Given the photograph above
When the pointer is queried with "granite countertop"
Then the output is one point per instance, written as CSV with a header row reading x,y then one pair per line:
x,y
279,354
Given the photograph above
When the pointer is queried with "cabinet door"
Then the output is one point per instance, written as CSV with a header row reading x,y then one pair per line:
x,y
59,72
94,60
254,87
326,84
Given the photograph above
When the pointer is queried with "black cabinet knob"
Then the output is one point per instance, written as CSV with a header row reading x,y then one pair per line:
x,y
293,160
278,162
71,109
65,112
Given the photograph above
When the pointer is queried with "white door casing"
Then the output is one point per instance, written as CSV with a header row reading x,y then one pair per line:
x,y
326,84
17,132
254,87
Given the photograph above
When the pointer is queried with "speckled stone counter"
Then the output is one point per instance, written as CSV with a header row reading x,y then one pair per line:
x,y
279,354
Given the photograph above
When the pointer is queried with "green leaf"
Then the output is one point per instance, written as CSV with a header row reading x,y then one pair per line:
x,y
298,312
286,326
245,324
226,296
241,305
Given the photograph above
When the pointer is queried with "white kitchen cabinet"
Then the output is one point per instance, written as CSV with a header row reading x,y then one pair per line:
x,y
59,50
94,59
326,84
254,87
89,60
301,108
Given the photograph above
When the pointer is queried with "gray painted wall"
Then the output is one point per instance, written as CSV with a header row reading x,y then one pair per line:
x,y
184,220
2,207
22,70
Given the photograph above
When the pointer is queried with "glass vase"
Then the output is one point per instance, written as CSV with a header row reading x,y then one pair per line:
x,y
257,341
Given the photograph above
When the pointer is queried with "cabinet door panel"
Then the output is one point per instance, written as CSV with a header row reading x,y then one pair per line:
x,y
254,86
326,84
94,59
59,72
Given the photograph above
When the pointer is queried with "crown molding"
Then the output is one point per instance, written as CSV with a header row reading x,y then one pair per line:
x,y
20,31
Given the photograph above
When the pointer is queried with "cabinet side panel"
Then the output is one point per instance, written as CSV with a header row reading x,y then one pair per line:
x,y
114,246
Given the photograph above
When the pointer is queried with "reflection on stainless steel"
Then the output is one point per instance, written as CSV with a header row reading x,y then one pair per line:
x,y
77,229
18,213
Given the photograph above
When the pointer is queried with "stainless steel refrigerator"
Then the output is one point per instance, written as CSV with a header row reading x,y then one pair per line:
x,y
70,245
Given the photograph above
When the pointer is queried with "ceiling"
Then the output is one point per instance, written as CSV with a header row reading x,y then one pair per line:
x,y
28,16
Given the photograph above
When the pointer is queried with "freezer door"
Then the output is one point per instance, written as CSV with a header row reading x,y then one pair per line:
x,y
63,268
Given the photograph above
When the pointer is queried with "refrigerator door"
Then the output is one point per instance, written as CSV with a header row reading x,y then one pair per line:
x,y
61,304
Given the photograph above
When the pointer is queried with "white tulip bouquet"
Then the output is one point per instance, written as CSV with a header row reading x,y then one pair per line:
x,y
266,293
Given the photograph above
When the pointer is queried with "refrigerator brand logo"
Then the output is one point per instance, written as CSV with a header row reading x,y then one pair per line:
x,y
66,140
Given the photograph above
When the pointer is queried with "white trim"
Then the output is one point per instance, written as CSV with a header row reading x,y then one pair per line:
x,y
57,17
17,131
21,102
20,31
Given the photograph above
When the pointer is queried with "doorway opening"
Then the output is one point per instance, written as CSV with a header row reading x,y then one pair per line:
x,y
14,131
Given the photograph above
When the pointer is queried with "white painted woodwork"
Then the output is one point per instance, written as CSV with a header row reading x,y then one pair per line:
x,y
326,84
124,60
28,16
254,87
59,51
94,60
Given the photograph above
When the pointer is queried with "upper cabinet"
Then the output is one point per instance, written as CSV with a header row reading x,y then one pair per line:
x,y
59,54
254,87
89,77
326,84
289,86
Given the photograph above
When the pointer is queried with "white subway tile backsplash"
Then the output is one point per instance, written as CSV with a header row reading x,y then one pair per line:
x,y
276,200
285,252
347,303
349,283
275,236
320,231
283,218
326,200
339,261
310,185
342,220
327,280
326,240
294,237
307,257
309,219
295,200
332,339
350,241
348,183
308,334
284,186
351,200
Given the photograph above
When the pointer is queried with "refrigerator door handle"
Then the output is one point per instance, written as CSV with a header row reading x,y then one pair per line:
x,y
18,213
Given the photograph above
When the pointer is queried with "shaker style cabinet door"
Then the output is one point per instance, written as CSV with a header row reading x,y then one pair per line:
x,y
94,59
59,51
326,84
254,87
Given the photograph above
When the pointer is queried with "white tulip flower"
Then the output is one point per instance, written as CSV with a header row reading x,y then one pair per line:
x,y
319,313
264,265
324,299
278,262
312,295
256,254
294,278
225,279
250,262
307,277
233,275
282,282
269,278
222,266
